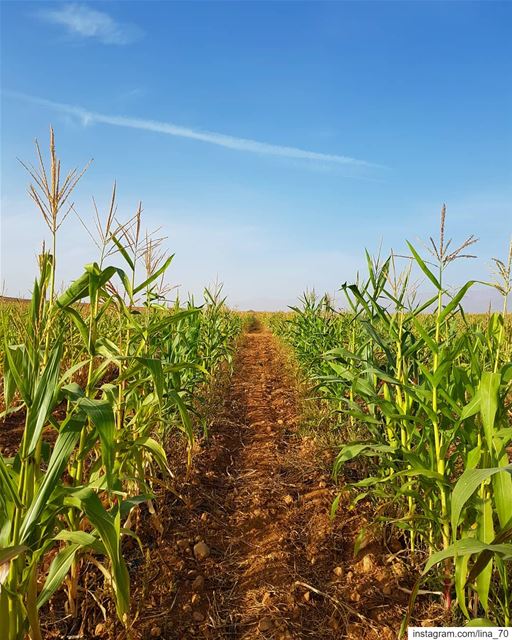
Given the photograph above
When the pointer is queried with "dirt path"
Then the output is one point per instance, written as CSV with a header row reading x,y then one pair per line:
x,y
252,485
253,553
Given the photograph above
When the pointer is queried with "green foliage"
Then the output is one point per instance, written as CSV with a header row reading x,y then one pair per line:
x,y
424,393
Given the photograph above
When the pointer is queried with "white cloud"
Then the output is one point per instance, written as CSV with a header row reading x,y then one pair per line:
x,y
220,139
85,22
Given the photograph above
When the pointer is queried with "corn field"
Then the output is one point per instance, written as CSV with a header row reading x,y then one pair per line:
x,y
104,374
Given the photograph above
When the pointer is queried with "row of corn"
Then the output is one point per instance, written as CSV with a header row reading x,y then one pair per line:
x,y
423,392
98,373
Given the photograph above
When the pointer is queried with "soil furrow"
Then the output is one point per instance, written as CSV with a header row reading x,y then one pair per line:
x,y
251,551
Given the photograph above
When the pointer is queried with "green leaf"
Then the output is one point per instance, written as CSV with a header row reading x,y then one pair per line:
x,y
154,366
57,573
154,276
485,534
464,547
82,327
472,408
466,485
63,448
102,416
480,622
123,252
9,553
45,395
76,291
489,397
109,530
424,267
176,399
455,300
156,450
8,485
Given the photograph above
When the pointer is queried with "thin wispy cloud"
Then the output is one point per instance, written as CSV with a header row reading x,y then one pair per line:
x,y
82,21
220,139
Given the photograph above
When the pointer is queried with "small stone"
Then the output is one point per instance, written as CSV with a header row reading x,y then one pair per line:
x,y
198,616
265,624
338,571
387,589
204,516
195,599
100,628
354,596
156,632
198,584
288,499
280,421
307,596
182,545
201,551
367,564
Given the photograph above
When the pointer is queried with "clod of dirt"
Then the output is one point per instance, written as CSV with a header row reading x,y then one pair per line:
x,y
338,571
334,624
288,499
156,523
382,575
156,632
265,624
100,628
198,616
201,551
399,570
198,584
354,632
317,494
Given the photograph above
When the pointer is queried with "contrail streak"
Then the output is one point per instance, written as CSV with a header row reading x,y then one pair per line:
x,y
219,139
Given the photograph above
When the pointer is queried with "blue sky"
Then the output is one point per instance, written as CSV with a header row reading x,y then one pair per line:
x,y
272,141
